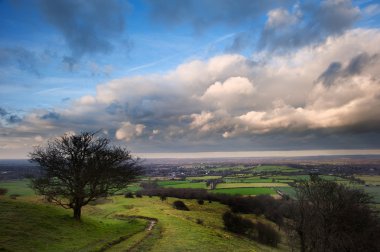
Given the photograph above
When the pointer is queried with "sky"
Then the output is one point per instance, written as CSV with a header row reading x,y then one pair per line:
x,y
190,76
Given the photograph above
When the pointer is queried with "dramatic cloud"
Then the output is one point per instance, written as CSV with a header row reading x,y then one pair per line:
x,y
87,26
308,23
301,99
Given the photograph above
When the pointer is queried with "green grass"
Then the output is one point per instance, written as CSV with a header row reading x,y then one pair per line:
x,y
26,226
203,178
20,187
275,168
171,182
290,191
374,191
226,168
369,179
238,185
188,185
133,188
247,180
178,230
245,191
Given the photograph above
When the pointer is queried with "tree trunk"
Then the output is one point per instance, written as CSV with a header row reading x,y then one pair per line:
x,y
77,212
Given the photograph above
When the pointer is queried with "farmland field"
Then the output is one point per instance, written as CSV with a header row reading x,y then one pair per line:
x,y
17,187
188,185
247,180
171,182
245,191
239,185
275,168
369,180
203,178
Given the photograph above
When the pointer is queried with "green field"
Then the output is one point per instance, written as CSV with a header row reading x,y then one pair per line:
x,y
26,226
374,191
172,182
226,168
239,185
275,168
188,185
290,191
203,178
254,179
17,187
369,179
245,191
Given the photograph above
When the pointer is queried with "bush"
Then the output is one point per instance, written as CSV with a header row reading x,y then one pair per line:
x,y
138,195
179,205
14,196
128,195
163,197
200,201
236,224
267,234
3,191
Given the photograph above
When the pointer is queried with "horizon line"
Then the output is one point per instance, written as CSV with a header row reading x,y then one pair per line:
x,y
245,154
258,154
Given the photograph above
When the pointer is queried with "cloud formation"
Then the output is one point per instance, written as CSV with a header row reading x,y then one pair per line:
x,y
231,102
87,27
307,23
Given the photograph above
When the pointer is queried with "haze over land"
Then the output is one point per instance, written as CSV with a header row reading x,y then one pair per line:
x,y
192,77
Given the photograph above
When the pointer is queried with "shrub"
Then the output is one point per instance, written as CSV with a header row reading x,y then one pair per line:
x,y
267,234
14,196
138,194
179,205
163,197
3,191
128,195
236,224
200,201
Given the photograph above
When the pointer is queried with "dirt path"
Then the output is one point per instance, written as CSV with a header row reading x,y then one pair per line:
x,y
116,244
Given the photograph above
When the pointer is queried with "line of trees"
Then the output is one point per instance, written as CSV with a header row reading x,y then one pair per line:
x,y
327,216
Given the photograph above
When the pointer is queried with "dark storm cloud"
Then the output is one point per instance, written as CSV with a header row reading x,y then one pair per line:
x,y
14,119
50,116
87,26
8,117
308,23
358,63
3,112
202,14
355,66
22,58
332,72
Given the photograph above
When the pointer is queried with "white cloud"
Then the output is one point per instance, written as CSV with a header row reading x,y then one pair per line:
x,y
225,95
127,131
280,18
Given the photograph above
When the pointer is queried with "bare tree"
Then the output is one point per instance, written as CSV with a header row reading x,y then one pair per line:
x,y
332,217
76,169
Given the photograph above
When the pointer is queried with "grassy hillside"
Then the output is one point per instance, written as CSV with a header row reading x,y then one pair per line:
x,y
178,230
28,226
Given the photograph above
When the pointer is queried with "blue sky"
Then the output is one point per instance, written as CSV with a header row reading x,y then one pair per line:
x,y
191,76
